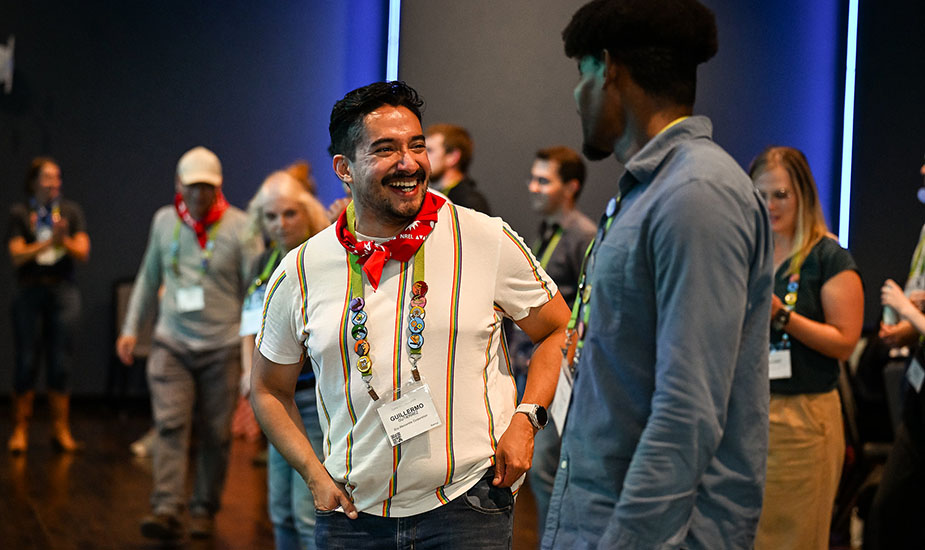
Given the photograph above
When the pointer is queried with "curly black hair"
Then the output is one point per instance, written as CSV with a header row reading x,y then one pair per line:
x,y
347,115
661,42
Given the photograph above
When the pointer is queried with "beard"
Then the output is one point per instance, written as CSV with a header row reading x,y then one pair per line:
x,y
403,213
539,203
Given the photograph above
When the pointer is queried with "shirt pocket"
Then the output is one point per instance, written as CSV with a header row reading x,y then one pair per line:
x,y
612,279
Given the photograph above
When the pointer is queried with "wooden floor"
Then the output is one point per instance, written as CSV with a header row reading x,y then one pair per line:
x,y
95,499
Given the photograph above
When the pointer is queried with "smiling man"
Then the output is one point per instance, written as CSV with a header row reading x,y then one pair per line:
x,y
666,437
399,308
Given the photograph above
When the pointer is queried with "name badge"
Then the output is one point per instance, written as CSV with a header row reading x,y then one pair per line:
x,y
410,415
779,364
915,374
191,298
252,312
558,409
50,255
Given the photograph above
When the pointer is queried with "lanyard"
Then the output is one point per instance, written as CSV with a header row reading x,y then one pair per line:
x,y
918,258
449,186
40,212
581,308
550,247
206,252
359,317
790,301
267,270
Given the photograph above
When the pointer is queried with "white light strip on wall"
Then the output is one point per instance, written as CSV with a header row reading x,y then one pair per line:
x,y
844,211
391,60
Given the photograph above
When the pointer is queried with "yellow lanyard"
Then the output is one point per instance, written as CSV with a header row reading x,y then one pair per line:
x,y
206,252
359,317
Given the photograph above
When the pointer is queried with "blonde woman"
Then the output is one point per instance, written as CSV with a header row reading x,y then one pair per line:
x,y
816,315
286,214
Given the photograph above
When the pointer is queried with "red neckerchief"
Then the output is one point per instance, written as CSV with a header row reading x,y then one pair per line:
x,y
373,256
201,227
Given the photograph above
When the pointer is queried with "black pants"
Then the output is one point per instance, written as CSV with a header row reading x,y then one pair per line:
x,y
897,516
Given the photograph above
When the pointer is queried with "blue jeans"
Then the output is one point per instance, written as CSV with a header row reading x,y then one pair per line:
x,y
182,381
292,509
46,317
483,518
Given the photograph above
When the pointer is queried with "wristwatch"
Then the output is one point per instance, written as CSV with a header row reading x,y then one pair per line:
x,y
536,414
780,319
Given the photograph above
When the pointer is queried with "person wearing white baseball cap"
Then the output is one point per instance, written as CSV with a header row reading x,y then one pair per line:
x,y
199,252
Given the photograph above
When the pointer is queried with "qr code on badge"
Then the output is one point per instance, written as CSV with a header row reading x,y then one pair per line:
x,y
396,439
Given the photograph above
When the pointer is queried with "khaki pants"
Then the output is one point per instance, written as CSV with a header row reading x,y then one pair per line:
x,y
805,456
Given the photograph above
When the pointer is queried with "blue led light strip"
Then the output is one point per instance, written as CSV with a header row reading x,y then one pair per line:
x,y
391,60
844,211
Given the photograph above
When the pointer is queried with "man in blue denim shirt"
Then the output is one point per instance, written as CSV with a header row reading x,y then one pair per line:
x,y
666,437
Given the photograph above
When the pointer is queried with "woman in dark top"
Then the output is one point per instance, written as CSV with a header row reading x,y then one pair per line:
x,y
287,214
46,237
816,315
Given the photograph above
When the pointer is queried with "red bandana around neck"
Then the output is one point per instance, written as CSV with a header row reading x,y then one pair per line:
x,y
201,227
402,247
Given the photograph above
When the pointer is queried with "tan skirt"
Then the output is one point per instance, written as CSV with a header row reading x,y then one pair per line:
x,y
805,455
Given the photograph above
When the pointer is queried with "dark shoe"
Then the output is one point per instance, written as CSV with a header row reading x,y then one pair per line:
x,y
161,527
201,525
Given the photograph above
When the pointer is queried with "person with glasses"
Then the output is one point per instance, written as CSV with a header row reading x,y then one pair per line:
x,y
816,315
286,213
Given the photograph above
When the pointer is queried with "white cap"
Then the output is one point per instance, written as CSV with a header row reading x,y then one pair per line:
x,y
199,165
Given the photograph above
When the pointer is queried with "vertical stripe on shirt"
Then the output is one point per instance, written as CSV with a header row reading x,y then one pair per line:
x,y
485,398
266,304
396,375
534,266
451,349
345,365
303,284
327,437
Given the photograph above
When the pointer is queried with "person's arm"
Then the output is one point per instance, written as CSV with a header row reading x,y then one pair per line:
x,y
891,294
273,400
144,295
843,307
76,243
545,325
702,269
247,363
22,252
898,335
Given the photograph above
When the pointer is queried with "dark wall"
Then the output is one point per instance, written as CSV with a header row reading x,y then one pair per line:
x,y
117,91
498,68
889,143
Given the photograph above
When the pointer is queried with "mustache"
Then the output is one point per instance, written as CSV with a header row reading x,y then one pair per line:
x,y
419,175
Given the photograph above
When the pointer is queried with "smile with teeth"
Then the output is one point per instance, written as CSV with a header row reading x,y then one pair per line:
x,y
407,185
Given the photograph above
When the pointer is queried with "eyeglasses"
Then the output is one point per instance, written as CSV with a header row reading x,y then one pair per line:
x,y
776,195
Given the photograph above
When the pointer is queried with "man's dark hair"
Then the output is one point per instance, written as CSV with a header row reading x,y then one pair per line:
x,y
346,124
661,42
455,138
32,174
571,167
